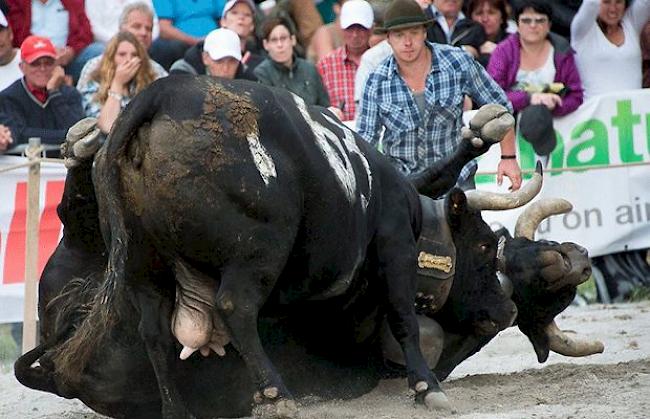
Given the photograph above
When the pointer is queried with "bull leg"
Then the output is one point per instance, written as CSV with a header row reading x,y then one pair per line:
x,y
241,294
458,348
397,257
154,329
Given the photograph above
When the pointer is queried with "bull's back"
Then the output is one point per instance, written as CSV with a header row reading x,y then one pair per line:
x,y
234,165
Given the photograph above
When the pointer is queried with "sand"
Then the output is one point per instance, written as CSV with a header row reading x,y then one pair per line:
x,y
503,381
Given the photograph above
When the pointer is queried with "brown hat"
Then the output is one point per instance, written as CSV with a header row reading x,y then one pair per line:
x,y
401,14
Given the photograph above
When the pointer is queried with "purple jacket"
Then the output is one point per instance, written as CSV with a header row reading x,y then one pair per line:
x,y
504,64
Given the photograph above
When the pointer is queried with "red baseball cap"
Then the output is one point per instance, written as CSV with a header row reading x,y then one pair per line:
x,y
35,47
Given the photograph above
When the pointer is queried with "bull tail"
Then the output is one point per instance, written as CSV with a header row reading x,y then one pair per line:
x,y
103,314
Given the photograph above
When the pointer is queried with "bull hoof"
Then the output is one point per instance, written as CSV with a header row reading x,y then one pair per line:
x,y
437,400
278,409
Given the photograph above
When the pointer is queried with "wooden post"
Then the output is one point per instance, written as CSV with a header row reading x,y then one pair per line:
x,y
31,245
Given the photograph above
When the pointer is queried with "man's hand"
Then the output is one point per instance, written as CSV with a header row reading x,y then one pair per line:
x,y
57,79
5,137
509,168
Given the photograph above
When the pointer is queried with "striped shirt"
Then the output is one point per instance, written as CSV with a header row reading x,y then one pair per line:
x,y
414,141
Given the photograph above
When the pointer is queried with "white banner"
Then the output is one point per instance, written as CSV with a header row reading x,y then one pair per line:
x,y
611,204
13,217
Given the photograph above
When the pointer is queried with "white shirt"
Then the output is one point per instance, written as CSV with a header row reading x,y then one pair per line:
x,y
105,21
603,66
369,61
51,20
11,72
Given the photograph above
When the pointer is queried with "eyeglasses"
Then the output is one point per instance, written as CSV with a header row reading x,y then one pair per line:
x,y
536,20
42,64
279,40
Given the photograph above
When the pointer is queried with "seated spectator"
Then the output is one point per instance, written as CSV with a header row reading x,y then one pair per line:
x,y
536,66
9,57
282,68
338,68
137,18
526,63
605,35
39,104
238,17
222,55
182,25
450,26
493,16
327,38
106,22
123,72
304,16
64,22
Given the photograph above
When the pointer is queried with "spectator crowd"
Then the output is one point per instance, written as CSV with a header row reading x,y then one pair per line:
x,y
405,70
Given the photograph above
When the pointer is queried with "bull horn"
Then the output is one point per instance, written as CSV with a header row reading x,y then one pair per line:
x,y
563,344
482,200
529,220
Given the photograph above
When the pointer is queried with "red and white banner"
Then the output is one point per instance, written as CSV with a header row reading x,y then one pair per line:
x,y
13,217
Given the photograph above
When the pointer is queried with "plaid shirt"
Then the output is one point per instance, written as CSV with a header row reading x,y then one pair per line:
x,y
415,141
338,72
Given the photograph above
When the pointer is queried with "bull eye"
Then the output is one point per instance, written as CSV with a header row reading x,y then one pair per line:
x,y
484,247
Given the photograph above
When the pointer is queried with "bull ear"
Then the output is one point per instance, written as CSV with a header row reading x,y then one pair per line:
x,y
457,202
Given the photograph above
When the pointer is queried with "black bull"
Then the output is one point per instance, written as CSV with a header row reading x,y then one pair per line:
x,y
158,269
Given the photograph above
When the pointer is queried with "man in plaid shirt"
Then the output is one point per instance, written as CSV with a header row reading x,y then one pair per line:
x,y
338,68
416,96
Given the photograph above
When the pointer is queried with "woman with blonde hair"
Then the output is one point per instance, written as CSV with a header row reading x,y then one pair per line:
x,y
124,71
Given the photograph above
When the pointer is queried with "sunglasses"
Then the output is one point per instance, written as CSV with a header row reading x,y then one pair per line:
x,y
536,20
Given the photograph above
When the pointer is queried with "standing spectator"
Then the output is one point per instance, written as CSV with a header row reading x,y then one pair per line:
x,y
340,66
136,18
64,22
450,26
9,56
238,16
183,24
123,72
39,104
605,35
282,68
105,22
417,96
526,63
222,55
493,16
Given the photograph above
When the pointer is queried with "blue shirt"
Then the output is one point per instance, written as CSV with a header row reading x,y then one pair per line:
x,y
50,20
414,141
195,18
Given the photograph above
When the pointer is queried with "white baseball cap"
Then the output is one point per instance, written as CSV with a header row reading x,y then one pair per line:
x,y
356,12
221,43
231,3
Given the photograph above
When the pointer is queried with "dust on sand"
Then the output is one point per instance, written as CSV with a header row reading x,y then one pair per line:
x,y
504,380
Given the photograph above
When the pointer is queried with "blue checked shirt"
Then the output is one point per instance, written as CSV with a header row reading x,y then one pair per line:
x,y
413,141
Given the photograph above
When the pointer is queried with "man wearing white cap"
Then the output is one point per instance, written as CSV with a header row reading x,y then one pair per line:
x,y
221,53
338,68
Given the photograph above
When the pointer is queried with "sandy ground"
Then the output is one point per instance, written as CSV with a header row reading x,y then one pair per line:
x,y
503,381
